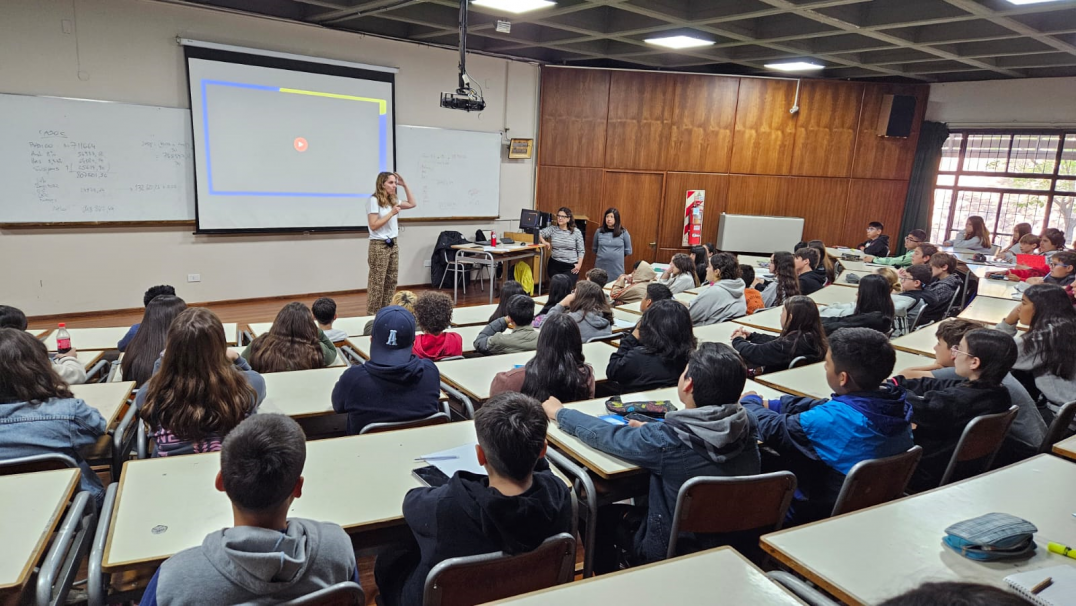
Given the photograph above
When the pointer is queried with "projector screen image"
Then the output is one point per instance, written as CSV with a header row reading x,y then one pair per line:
x,y
281,145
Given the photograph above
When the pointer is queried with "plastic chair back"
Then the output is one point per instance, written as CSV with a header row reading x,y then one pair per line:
x,y
981,440
35,463
347,593
437,418
876,481
1059,428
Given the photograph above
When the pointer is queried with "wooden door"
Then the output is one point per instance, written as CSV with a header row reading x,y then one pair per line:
x,y
638,198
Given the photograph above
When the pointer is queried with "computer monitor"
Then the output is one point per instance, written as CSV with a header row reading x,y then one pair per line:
x,y
528,219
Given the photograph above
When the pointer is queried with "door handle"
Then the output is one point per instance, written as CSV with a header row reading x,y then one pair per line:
x,y
653,244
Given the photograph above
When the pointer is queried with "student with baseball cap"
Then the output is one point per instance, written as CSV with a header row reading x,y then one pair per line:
x,y
394,384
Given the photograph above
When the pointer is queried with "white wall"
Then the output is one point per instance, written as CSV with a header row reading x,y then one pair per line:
x,y
1028,103
125,50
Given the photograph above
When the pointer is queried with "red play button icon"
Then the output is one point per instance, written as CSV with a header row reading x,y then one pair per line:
x,y
300,144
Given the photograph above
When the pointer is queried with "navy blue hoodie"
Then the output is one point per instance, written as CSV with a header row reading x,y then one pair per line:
x,y
378,393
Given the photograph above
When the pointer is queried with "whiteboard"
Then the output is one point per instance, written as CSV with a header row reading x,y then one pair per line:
x,y
758,234
453,173
75,161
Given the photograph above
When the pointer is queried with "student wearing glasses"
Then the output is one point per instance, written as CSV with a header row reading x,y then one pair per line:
x,y
565,243
912,240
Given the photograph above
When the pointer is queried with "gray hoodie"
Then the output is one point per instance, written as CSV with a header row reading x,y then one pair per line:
x,y
253,565
722,301
591,325
1057,390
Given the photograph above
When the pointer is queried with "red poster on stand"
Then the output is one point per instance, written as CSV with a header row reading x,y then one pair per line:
x,y
693,208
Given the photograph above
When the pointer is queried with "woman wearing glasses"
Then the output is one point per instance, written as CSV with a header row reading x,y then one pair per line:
x,y
566,245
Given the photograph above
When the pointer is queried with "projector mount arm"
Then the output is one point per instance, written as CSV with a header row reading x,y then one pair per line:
x,y
465,87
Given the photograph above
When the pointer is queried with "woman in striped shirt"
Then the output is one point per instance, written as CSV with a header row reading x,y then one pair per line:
x,y
566,245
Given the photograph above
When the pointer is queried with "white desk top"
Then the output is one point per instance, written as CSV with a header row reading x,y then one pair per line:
x,y
474,376
920,342
769,319
718,577
107,398
609,466
33,504
105,339
1066,448
88,358
907,534
756,261
353,326
176,494
719,333
301,393
478,314
469,334
810,380
684,297
988,310
834,294
842,280
37,332
999,289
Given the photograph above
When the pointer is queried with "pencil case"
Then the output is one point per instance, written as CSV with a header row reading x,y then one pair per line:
x,y
651,408
992,537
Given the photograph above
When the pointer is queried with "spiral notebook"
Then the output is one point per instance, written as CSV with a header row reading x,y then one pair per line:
x,y
1061,592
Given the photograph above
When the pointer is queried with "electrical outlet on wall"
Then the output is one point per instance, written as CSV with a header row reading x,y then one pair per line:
x,y
194,277
426,263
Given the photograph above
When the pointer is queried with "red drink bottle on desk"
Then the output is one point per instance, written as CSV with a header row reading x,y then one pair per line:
x,y
63,339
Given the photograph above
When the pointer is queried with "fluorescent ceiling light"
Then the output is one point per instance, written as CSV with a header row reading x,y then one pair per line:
x,y
794,66
1021,2
679,42
514,6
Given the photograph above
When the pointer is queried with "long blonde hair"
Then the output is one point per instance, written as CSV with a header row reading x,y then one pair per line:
x,y
384,199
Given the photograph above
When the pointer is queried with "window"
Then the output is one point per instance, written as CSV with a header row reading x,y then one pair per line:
x,y
1006,178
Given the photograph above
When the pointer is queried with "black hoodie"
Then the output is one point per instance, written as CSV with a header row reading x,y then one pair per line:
x,y
380,393
813,281
879,247
467,517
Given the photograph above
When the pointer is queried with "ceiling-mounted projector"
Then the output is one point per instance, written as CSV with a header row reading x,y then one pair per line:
x,y
465,97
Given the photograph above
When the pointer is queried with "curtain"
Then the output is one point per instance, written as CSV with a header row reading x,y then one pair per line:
x,y
917,205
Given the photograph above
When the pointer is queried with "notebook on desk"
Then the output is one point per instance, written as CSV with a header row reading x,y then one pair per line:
x,y
1060,591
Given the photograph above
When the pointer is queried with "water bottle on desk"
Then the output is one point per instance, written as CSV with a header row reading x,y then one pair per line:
x,y
493,239
63,339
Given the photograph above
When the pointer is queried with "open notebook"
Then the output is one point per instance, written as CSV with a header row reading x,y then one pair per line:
x,y
1061,592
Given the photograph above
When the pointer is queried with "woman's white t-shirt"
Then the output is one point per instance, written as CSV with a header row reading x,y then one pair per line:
x,y
389,229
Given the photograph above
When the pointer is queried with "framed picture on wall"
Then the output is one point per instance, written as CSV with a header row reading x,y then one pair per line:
x,y
520,149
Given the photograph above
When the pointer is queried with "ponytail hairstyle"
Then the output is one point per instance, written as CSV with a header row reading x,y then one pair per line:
x,y
784,272
556,368
291,343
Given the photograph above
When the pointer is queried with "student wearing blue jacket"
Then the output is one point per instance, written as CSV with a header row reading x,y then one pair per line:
x,y
822,440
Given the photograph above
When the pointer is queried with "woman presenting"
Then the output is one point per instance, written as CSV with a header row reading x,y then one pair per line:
x,y
611,244
384,255
566,245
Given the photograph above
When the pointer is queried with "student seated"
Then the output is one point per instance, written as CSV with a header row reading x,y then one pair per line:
x,y
38,413
325,314
873,308
785,283
588,308
1028,430
516,506
809,272
1062,270
725,299
821,440
891,276
294,342
956,594
407,299
801,335
752,297
1019,231
152,292
655,292
200,389
1047,349
433,315
913,239
394,384
680,275
944,284
494,339
66,365
1051,243
711,435
826,261
942,408
265,557
700,257
632,288
877,243
655,353
913,296
511,288
598,276
560,286
1026,246
558,368
974,237
145,348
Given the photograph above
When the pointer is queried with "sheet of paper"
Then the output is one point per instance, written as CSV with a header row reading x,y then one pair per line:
x,y
623,323
464,459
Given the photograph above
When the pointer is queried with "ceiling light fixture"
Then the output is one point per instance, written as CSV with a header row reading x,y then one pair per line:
x,y
794,66
679,42
1023,2
514,6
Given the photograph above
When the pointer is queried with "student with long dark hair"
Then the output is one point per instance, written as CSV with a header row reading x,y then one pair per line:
x,y
293,343
145,348
873,308
655,353
701,256
1018,233
558,368
560,286
589,308
801,335
975,236
201,390
66,365
681,274
612,243
38,413
565,244
785,282
510,289
1046,365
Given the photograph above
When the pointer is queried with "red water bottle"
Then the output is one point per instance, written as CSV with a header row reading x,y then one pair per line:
x,y
63,339
493,239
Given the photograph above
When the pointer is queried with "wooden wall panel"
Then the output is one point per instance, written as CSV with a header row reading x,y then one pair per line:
x,y
670,235
874,200
755,195
576,188
575,106
762,144
887,157
821,202
703,119
826,128
640,111
637,196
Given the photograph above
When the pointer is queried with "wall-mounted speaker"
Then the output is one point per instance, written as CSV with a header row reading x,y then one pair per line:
x,y
896,116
